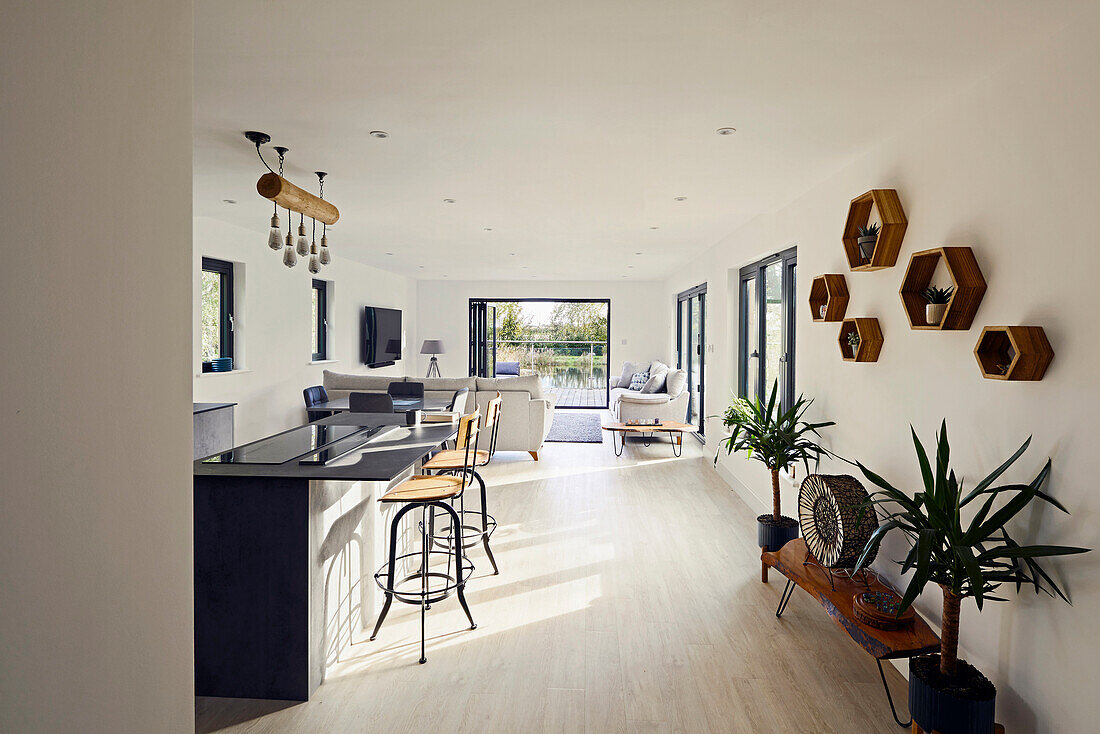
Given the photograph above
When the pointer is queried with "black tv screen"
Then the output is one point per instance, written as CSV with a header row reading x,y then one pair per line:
x,y
381,336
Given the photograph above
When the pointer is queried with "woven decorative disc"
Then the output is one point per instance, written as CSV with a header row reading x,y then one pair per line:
x,y
829,512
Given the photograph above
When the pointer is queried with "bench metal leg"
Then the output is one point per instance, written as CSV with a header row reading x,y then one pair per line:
x,y
785,597
893,711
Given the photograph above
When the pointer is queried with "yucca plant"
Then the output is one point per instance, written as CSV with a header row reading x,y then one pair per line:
x,y
934,294
966,559
773,436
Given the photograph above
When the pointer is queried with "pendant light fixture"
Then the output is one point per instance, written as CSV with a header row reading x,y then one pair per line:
x,y
276,188
289,258
325,258
275,237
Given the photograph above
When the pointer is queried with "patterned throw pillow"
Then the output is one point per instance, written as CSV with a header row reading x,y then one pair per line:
x,y
638,381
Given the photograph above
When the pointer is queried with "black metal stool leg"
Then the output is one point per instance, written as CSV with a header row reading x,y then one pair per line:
x,y
457,525
391,571
424,579
785,597
485,525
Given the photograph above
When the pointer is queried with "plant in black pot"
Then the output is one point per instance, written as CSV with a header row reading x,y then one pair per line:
x,y
937,298
777,437
868,236
853,342
972,559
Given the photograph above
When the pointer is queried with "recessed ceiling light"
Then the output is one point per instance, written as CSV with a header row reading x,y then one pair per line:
x,y
488,229
389,253
379,134
654,227
230,201
679,198
512,254
637,253
420,267
448,201
726,130
629,266
524,267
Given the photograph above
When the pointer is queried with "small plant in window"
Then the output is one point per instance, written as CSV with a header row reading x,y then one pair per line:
x,y
937,298
868,236
853,341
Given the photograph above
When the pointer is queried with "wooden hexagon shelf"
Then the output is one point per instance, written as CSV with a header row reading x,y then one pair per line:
x,y
893,222
830,291
966,277
870,339
1013,352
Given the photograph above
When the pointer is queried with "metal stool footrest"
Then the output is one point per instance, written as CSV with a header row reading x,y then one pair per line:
x,y
471,534
433,592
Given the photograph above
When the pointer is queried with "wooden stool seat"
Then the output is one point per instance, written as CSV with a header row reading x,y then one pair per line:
x,y
421,488
455,459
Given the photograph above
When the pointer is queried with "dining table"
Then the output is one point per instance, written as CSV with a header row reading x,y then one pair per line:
x,y
400,405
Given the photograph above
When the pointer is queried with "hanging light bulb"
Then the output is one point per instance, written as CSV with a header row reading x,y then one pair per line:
x,y
289,258
325,258
303,242
314,260
275,238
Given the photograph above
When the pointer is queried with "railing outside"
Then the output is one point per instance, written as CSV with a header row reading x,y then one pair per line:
x,y
560,365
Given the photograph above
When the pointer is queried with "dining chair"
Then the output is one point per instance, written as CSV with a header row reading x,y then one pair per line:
x,y
370,402
409,390
459,401
313,396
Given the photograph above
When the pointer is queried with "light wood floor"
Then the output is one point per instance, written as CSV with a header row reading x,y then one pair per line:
x,y
629,599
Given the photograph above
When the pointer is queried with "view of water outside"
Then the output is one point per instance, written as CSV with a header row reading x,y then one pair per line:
x,y
564,343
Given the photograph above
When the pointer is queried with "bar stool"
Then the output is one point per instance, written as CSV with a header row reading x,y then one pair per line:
x,y
446,462
425,492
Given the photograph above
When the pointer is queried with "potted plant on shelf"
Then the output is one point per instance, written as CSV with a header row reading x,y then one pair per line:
x,y
778,438
937,298
868,236
853,342
966,560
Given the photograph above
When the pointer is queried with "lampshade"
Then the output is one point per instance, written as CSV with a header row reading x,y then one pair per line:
x,y
432,346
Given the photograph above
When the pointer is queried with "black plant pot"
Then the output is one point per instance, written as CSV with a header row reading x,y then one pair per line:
x,y
773,534
962,704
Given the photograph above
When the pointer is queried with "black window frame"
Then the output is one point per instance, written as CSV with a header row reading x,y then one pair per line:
x,y
321,286
755,271
225,309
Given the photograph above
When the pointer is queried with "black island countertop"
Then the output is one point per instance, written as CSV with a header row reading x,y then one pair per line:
x,y
383,456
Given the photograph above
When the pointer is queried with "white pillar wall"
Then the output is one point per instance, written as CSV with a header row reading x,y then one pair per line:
x,y
95,505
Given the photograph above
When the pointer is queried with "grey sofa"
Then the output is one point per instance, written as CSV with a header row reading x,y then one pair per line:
x,y
669,403
525,415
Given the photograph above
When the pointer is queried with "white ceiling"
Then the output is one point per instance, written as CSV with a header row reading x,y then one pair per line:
x,y
568,127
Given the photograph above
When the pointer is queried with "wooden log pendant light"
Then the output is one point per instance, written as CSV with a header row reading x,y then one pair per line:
x,y
275,188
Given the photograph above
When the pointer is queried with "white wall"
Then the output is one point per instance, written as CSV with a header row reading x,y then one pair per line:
x,y
1010,169
273,320
639,322
95,506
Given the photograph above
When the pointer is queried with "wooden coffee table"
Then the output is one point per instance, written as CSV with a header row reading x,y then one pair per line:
x,y
675,429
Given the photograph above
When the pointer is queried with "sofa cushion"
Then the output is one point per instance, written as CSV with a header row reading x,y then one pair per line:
x,y
629,368
638,381
445,384
361,383
656,382
630,396
657,366
529,383
507,368
675,382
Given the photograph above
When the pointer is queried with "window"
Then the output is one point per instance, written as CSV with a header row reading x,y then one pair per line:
x,y
766,334
320,320
217,311
691,341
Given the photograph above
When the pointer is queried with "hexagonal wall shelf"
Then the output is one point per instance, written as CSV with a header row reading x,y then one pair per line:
x,y
893,221
831,292
1013,352
965,275
870,340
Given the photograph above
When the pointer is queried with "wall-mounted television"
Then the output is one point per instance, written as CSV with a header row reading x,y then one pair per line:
x,y
381,336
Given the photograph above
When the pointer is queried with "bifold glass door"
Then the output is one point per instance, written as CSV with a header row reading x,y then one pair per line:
x,y
565,342
691,315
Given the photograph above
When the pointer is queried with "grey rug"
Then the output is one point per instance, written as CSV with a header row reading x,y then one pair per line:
x,y
575,427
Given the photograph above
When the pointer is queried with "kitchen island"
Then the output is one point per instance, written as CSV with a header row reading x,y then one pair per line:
x,y
288,533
